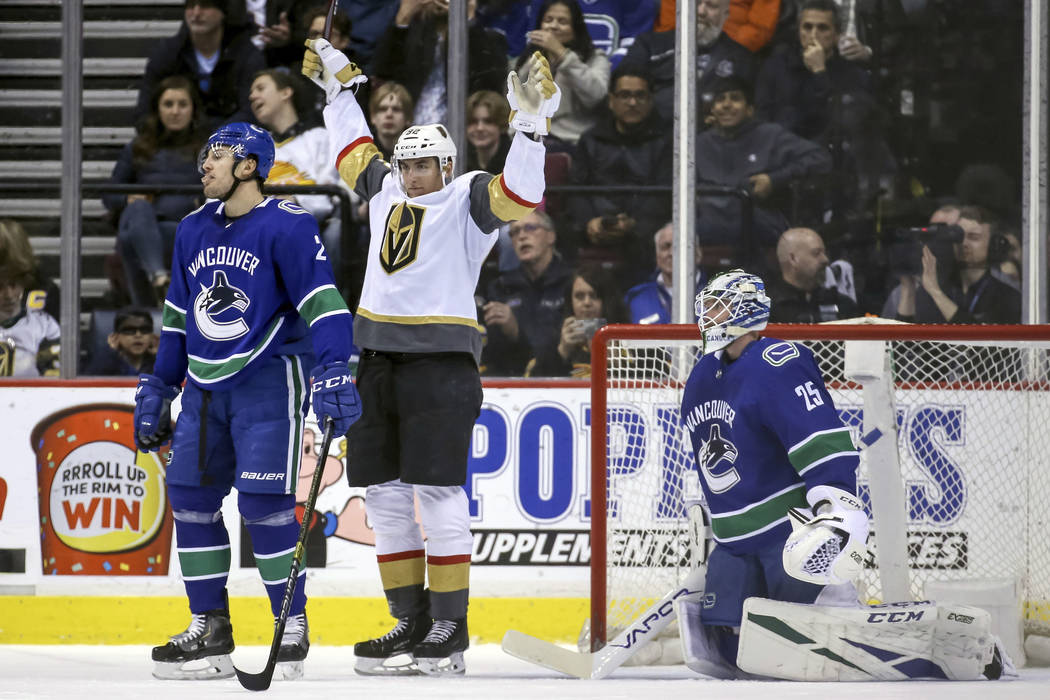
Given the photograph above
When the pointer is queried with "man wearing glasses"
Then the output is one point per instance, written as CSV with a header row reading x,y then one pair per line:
x,y
522,311
628,147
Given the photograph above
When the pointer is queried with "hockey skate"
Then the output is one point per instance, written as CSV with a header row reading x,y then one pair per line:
x,y
441,651
295,645
202,652
391,654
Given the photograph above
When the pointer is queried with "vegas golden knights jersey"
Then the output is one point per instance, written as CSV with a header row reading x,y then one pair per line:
x,y
425,253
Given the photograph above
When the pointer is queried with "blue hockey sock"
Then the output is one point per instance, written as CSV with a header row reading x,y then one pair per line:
x,y
203,545
271,522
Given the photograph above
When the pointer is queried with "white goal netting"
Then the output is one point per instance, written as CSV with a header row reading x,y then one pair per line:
x,y
972,417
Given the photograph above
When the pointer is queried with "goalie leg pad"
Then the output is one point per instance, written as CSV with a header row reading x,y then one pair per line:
x,y
700,643
895,641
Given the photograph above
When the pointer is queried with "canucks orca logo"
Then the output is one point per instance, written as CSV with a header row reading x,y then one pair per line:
x,y
213,302
716,450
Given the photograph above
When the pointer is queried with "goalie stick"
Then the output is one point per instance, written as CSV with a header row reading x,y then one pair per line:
x,y
261,680
601,663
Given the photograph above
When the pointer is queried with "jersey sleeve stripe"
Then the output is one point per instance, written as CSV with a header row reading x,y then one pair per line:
x,y
747,521
353,159
819,446
505,204
322,301
828,458
173,318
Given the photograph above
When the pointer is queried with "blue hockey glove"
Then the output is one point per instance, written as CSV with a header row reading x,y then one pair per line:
x,y
335,396
153,412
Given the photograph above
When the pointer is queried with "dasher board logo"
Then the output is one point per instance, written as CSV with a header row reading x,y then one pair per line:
x,y
218,310
401,238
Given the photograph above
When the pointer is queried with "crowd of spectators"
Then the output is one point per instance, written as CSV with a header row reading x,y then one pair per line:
x,y
794,145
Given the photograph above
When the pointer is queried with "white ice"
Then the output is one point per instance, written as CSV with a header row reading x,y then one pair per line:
x,y
123,672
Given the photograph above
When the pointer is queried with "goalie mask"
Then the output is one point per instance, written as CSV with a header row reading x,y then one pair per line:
x,y
732,304
424,141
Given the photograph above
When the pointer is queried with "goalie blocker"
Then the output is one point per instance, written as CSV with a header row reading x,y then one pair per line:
x,y
891,642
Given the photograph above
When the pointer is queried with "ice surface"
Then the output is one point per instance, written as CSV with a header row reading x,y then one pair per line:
x,y
119,672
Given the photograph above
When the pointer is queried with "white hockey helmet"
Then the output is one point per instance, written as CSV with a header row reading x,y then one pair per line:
x,y
423,141
732,304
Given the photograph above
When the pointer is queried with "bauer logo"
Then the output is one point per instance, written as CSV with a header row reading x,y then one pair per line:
x,y
103,506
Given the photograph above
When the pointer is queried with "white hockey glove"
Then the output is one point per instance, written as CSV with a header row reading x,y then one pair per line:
x,y
534,102
831,546
330,68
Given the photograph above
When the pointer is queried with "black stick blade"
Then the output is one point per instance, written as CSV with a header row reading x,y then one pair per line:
x,y
256,681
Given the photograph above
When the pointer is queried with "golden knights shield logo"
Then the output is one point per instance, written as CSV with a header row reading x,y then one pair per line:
x,y
401,238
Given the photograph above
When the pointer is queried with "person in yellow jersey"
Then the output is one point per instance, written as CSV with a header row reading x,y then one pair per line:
x,y
420,343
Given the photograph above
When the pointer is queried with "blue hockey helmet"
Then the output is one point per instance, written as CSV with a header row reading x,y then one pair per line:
x,y
732,304
242,140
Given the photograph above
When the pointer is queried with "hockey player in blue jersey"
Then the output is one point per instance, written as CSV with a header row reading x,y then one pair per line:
x,y
767,438
420,344
252,322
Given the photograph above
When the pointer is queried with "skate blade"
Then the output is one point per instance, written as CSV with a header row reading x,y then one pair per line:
x,y
206,669
404,666
452,665
289,670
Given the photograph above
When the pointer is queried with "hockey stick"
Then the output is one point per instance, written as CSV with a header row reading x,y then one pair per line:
x,y
601,663
261,681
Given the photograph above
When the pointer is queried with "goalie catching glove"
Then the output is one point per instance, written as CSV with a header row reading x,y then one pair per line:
x,y
534,102
329,67
829,547
334,396
153,412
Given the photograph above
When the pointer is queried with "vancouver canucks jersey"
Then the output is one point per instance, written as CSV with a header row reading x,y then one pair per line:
x,y
426,252
764,431
245,289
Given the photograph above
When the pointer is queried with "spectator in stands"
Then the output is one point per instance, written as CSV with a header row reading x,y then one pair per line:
x,y
164,152
41,292
650,301
313,28
628,146
856,28
752,23
487,138
29,336
390,111
581,71
130,349
969,292
798,292
301,154
760,157
522,311
220,60
276,27
592,301
717,56
413,52
807,85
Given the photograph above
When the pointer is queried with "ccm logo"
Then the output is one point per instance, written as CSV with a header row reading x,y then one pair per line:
x,y
331,383
259,476
904,616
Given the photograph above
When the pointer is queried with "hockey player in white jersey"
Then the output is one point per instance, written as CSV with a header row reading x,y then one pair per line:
x,y
778,472
420,346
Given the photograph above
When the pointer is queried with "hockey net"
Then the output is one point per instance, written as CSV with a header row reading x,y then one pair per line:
x,y
972,423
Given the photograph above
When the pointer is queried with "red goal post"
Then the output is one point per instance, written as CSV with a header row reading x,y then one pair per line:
x,y
958,416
